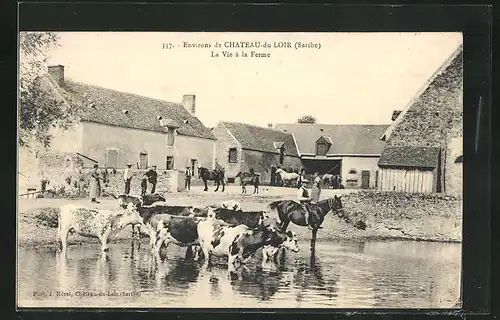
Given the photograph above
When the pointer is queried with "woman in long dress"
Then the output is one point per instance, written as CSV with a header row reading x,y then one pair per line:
x,y
316,188
95,184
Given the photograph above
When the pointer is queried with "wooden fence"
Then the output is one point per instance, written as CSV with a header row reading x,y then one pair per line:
x,y
406,180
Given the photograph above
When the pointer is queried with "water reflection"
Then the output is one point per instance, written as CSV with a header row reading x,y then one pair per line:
x,y
257,283
400,274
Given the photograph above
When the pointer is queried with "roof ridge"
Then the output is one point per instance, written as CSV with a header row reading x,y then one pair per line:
x,y
442,69
333,125
255,126
127,93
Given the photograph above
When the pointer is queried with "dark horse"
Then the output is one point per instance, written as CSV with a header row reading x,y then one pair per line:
x,y
291,211
249,178
216,175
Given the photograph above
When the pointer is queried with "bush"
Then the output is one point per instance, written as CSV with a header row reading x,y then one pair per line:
x,y
48,217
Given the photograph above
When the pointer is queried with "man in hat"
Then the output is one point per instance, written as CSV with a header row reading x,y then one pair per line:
x,y
152,177
303,198
188,175
127,177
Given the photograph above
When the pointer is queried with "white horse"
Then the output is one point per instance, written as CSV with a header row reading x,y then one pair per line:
x,y
288,177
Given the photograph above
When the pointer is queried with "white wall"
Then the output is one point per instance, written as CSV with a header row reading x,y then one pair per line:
x,y
67,140
360,164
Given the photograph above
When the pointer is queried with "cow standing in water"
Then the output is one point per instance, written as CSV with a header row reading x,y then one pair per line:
x,y
89,222
239,243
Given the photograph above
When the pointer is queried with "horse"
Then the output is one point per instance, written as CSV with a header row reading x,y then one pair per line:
x,y
249,178
328,179
289,177
217,175
291,211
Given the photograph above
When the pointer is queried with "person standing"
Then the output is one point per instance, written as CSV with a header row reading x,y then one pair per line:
x,y
188,175
153,178
95,184
127,177
316,188
144,184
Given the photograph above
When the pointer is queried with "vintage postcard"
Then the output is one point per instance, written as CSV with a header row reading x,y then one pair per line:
x,y
240,170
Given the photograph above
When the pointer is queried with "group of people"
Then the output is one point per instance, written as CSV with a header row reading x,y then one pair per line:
x,y
150,176
96,177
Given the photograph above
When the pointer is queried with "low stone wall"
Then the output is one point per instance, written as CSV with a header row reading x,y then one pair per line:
x,y
169,181
436,217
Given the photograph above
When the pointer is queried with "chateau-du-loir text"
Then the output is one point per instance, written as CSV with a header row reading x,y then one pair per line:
x,y
251,49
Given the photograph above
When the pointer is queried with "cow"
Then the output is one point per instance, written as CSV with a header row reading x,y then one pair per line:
x,y
159,208
146,200
231,204
269,253
249,218
96,223
238,243
181,231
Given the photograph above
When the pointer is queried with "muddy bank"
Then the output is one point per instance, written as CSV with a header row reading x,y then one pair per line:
x,y
387,215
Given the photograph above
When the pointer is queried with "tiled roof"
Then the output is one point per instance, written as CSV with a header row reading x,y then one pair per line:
x,y
421,157
345,139
261,139
107,106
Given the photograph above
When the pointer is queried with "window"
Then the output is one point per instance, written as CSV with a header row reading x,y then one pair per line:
x,y
111,158
143,160
170,137
353,171
170,163
459,159
321,149
233,155
282,154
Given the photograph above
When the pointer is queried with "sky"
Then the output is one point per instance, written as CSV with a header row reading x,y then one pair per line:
x,y
352,78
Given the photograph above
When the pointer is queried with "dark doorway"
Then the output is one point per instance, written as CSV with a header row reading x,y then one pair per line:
x,y
322,166
365,179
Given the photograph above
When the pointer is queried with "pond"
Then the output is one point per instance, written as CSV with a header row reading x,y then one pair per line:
x,y
378,274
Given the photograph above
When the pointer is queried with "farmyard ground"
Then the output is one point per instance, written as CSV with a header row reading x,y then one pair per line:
x,y
388,215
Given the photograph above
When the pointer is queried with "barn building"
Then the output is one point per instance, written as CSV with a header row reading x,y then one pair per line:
x,y
115,128
241,147
351,151
423,151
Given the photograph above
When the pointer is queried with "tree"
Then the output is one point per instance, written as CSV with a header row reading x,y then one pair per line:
x,y
39,111
307,119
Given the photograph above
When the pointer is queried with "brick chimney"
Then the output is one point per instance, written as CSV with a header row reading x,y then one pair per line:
x,y
57,73
189,102
395,114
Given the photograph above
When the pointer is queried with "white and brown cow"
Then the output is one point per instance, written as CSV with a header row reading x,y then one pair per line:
x,y
95,223
269,252
179,230
239,243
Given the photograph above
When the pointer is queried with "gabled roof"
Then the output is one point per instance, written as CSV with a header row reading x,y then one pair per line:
x,y
420,157
108,107
457,54
345,139
261,139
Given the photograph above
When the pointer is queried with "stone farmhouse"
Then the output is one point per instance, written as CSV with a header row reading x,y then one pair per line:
x,y
423,151
241,147
351,151
116,128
